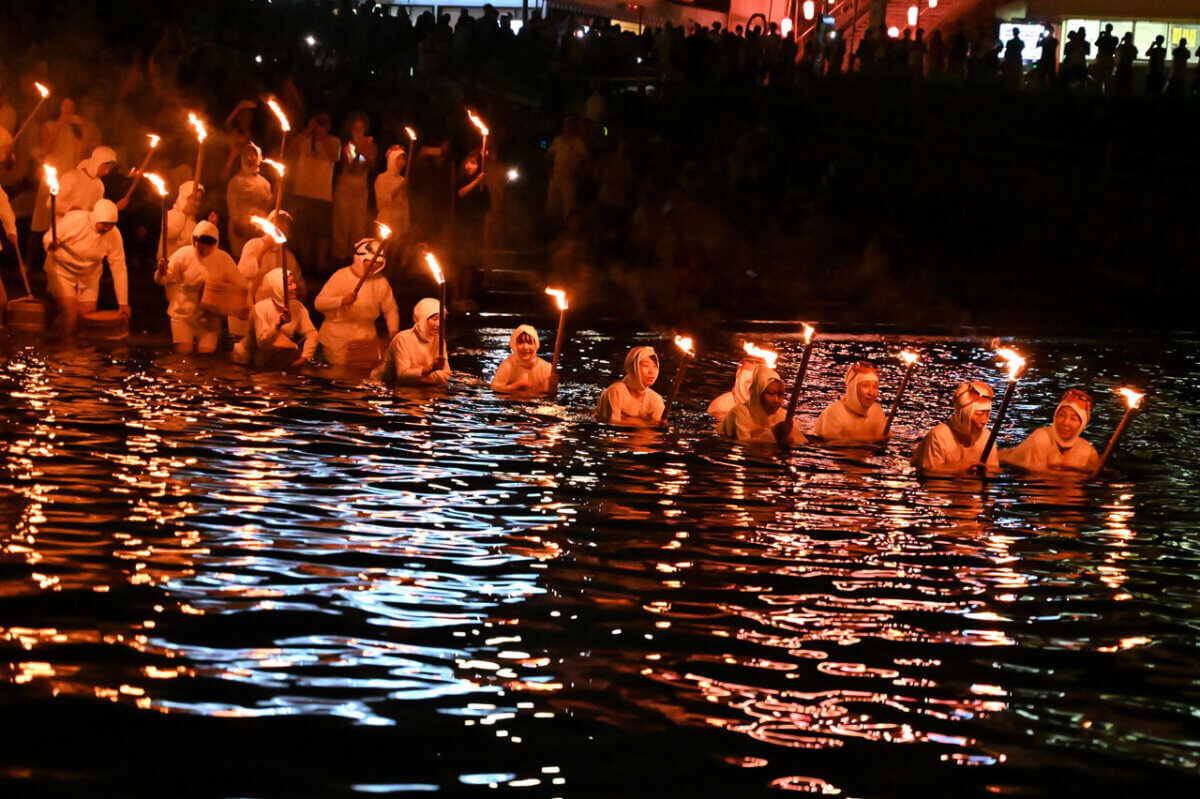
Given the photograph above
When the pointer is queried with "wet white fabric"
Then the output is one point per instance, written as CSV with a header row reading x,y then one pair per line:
x,y
536,371
749,421
1041,452
847,419
413,351
628,400
940,447
186,274
264,319
82,187
742,380
179,223
346,323
81,253
260,256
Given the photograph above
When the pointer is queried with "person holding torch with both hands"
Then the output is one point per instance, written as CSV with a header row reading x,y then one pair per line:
x,y
75,259
417,356
183,276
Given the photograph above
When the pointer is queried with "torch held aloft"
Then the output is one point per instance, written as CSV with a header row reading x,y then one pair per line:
x,y
896,402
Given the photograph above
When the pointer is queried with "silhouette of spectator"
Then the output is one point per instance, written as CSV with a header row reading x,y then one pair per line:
x,y
1127,53
312,155
1075,57
938,51
1156,73
1047,64
1014,49
568,159
1106,53
1179,67
957,52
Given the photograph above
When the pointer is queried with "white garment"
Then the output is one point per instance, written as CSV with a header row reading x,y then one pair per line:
x,y
748,421
82,250
839,422
391,196
186,275
78,190
536,371
179,224
8,220
1042,453
620,403
722,405
346,323
261,255
413,351
939,448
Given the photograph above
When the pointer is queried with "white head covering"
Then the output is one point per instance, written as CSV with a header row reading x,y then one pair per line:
x,y
273,281
364,251
103,211
100,156
762,377
205,228
421,312
969,397
242,158
185,193
860,372
1081,407
744,379
633,360
393,155
537,342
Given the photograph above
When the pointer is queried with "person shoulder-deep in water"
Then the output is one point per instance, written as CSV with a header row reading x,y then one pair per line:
x,y
857,415
742,380
413,357
761,416
631,401
523,372
956,445
276,324
1058,447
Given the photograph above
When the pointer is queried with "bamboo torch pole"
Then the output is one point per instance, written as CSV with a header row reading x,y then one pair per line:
x,y
685,344
1134,404
910,359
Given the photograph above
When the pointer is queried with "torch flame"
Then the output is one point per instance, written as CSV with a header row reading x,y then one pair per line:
x,y
278,167
560,297
1016,364
766,356
685,343
154,139
353,152
160,185
909,357
412,134
283,120
1133,398
268,228
435,268
42,90
384,230
477,122
51,178
198,124
808,332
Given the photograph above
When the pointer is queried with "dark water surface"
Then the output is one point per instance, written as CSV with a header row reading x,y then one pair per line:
x,y
217,583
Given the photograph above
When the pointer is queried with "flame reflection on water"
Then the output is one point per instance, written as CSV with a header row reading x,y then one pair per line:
x,y
260,547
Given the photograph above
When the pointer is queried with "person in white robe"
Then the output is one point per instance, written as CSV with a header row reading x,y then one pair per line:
x,y
413,356
1058,446
182,217
277,323
261,255
720,407
83,187
856,416
350,309
523,372
631,402
761,416
956,445
391,194
74,264
183,277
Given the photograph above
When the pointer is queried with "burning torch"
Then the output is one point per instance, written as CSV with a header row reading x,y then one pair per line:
x,y
684,343
1016,368
910,360
560,299
1133,402
808,347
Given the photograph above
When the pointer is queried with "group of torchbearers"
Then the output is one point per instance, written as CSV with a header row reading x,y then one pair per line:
x,y
258,298
753,411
